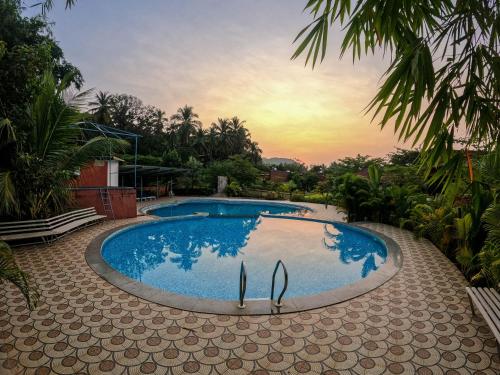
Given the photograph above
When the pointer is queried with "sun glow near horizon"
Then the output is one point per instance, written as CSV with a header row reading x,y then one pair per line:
x,y
229,62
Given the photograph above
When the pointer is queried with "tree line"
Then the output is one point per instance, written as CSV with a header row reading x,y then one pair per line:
x,y
178,138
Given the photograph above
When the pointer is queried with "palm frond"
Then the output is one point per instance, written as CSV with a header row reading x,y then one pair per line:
x,y
10,271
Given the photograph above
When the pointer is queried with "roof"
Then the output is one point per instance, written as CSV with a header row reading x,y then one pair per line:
x,y
150,170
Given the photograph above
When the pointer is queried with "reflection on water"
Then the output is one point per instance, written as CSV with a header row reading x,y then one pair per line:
x,y
183,245
354,249
201,257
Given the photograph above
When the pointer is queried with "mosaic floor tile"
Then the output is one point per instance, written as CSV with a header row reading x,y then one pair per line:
x,y
419,322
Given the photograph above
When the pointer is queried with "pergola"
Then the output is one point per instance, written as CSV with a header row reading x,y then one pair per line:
x,y
142,171
108,131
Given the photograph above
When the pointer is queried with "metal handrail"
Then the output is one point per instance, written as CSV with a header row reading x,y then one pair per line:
x,y
243,285
278,303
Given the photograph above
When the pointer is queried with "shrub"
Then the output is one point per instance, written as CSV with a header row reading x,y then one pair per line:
x,y
233,189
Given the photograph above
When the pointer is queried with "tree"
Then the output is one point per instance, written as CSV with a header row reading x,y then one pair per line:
x,y
185,123
36,175
225,142
444,70
353,164
101,108
404,157
128,113
27,50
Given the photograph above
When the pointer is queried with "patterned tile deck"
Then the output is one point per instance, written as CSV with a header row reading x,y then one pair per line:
x,y
419,322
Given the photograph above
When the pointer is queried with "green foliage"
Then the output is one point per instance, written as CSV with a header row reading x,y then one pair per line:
x,y
235,168
433,221
404,157
143,159
171,158
350,194
10,271
491,220
39,166
353,164
27,50
177,138
233,189
443,75
489,261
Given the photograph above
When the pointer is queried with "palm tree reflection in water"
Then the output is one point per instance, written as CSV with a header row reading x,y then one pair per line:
x,y
183,245
354,249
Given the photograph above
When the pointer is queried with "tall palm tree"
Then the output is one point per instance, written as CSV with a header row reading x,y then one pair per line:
x,y
225,143
240,135
100,107
10,271
46,159
185,123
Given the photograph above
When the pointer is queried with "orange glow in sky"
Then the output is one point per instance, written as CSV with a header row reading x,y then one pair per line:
x,y
228,58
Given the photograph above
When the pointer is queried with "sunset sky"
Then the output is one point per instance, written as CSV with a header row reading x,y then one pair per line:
x,y
229,58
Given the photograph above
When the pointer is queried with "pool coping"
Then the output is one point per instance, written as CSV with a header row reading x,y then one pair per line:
x,y
253,307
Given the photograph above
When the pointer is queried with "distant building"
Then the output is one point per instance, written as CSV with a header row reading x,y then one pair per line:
x,y
279,176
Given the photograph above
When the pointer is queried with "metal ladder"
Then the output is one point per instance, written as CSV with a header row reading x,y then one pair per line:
x,y
106,203
278,302
243,284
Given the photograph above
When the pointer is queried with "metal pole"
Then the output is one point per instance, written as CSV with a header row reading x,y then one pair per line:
x,y
135,165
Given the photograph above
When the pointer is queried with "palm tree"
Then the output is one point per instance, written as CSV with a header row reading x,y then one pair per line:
x,y
101,108
9,271
185,123
240,135
47,157
223,130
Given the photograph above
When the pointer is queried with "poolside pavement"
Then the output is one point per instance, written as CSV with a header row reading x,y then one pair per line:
x,y
419,322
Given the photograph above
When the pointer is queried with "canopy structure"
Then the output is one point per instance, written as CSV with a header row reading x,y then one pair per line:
x,y
142,171
96,129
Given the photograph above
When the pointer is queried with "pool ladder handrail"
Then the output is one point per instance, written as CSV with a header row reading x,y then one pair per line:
x,y
243,285
278,303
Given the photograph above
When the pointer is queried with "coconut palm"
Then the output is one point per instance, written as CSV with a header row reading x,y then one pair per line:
x,y
225,142
240,135
442,80
185,123
100,107
9,271
48,155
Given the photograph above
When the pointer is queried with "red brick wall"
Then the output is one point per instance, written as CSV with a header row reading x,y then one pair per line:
x,y
122,200
93,174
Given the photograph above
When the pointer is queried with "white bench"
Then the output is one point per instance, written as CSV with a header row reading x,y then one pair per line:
x,y
487,302
48,230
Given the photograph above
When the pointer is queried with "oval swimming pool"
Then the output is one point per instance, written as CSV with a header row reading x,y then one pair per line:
x,y
196,259
219,207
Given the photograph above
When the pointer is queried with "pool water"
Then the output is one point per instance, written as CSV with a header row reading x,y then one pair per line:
x,y
200,257
224,208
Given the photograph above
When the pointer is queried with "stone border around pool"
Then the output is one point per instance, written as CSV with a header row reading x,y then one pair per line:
x,y
253,307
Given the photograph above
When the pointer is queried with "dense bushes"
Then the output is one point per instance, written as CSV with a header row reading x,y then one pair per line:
x,y
463,221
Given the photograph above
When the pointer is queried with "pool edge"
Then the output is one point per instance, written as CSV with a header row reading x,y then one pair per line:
x,y
392,266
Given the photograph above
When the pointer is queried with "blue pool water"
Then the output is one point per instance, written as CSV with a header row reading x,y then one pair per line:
x,y
201,257
222,208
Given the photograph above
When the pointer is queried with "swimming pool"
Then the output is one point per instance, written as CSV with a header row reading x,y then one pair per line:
x,y
219,207
193,262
